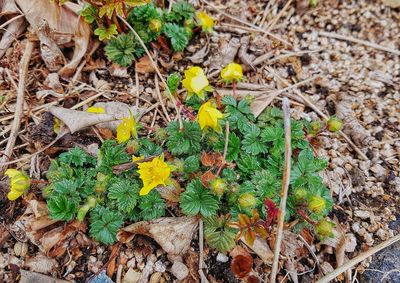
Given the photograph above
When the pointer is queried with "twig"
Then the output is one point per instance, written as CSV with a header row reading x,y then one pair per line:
x,y
203,278
359,41
251,28
160,98
156,69
19,107
285,188
271,24
310,104
265,14
11,20
274,94
349,264
256,28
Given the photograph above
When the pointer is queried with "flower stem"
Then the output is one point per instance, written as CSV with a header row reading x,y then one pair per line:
x,y
234,89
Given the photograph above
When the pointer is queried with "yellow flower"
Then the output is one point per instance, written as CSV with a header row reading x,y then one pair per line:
x,y
247,200
19,183
317,204
137,158
98,110
206,22
324,228
56,125
232,72
219,186
196,82
126,129
208,116
153,173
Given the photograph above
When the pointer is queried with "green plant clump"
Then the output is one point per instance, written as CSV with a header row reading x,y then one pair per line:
x,y
247,184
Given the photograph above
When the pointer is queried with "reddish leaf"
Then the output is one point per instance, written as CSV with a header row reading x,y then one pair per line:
x,y
272,212
241,265
249,236
207,178
207,159
252,279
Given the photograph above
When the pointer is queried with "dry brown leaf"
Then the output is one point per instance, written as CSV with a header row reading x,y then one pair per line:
x,y
67,28
261,248
207,178
173,234
199,56
392,3
227,53
118,71
144,66
31,277
41,263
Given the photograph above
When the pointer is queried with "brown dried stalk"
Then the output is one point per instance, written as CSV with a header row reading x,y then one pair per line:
x,y
23,72
285,188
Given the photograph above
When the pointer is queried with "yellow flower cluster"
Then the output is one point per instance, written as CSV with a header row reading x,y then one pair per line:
x,y
196,82
126,129
232,72
206,21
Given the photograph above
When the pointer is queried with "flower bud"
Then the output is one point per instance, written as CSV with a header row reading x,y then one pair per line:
x,y
160,135
247,200
218,186
317,204
316,126
155,25
132,146
334,124
324,228
300,194
178,165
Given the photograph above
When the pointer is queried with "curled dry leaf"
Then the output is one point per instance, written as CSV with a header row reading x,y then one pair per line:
x,y
173,234
261,248
207,178
211,159
118,71
65,25
199,56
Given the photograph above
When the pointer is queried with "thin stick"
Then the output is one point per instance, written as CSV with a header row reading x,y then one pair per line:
x,y
252,28
256,28
11,20
156,69
310,104
271,25
161,99
203,278
265,14
285,188
19,107
359,41
349,264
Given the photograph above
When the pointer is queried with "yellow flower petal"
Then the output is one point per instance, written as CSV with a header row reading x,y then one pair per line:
x,y
11,173
232,72
13,195
208,116
206,22
137,158
92,109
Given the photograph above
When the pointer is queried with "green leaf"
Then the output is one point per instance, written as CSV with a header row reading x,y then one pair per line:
x,y
76,156
120,49
104,225
181,11
185,141
218,234
252,143
173,82
197,199
152,206
229,100
111,154
125,194
178,36
89,13
59,171
229,175
106,33
143,13
62,208
233,147
192,164
148,148
248,164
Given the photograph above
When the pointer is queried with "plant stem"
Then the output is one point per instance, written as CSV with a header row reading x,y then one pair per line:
x,y
285,188
234,89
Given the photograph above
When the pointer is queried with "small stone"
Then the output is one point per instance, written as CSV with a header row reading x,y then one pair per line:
x,y
155,277
131,276
382,234
160,266
179,270
363,214
222,257
379,171
131,263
